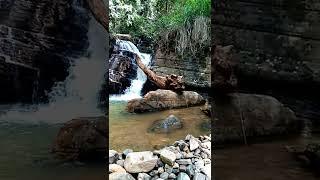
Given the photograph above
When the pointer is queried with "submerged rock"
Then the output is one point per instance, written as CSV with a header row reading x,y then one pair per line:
x,y
164,99
167,125
82,139
260,115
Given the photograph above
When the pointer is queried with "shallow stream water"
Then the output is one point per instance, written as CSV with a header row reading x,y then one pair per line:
x,y
25,154
130,130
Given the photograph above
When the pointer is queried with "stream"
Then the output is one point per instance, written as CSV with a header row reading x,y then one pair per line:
x,y
130,130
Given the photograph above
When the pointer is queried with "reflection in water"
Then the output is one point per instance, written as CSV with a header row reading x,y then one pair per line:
x,y
128,130
263,161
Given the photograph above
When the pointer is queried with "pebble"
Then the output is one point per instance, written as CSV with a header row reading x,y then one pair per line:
x,y
164,175
184,160
183,176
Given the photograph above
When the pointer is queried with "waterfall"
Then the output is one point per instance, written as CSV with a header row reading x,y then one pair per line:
x,y
134,91
78,94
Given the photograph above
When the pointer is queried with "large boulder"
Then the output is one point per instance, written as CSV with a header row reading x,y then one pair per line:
x,y
164,99
260,115
82,139
122,70
138,162
167,125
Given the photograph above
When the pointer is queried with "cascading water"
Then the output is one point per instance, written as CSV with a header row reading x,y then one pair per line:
x,y
134,91
78,94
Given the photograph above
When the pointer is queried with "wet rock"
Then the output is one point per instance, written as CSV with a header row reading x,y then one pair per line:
x,y
137,162
82,139
164,99
120,176
167,125
308,155
183,176
206,109
262,116
122,70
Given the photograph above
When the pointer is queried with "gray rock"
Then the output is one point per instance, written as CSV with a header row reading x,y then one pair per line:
x,y
183,168
137,162
153,173
164,175
120,176
172,176
120,162
188,137
199,164
199,176
207,170
184,161
160,170
168,168
183,176
190,170
113,156
167,157
156,177
194,144
143,176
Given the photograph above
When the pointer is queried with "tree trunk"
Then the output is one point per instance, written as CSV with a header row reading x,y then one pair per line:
x,y
100,12
170,82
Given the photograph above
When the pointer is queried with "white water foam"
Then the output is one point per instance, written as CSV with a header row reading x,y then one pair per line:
x,y
134,91
78,94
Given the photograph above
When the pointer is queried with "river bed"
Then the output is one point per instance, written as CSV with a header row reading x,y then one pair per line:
x,y
130,130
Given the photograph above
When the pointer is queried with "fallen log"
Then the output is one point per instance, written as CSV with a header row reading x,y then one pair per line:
x,y
170,82
100,13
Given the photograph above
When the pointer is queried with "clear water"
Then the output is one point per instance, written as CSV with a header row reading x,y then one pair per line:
x,y
25,154
263,161
129,130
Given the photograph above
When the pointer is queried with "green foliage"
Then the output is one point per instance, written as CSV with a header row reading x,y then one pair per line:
x,y
184,11
184,24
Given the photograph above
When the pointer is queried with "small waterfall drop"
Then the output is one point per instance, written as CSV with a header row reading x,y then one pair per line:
x,y
134,91
78,94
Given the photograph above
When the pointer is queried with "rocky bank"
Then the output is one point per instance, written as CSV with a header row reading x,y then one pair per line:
x,y
186,159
